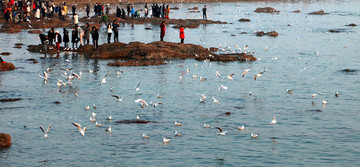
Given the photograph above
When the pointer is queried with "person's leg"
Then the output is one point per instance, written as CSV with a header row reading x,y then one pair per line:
x,y
58,46
182,40
96,44
109,37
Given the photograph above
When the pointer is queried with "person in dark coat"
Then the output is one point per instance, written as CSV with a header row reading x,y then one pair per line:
x,y
128,9
123,13
58,40
95,37
204,13
87,33
115,30
73,10
118,12
87,10
163,29
74,38
51,36
66,39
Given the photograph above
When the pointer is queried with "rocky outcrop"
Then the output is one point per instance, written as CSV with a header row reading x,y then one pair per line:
x,y
10,100
155,53
320,12
5,140
266,10
51,49
5,53
271,33
352,25
7,66
296,11
244,20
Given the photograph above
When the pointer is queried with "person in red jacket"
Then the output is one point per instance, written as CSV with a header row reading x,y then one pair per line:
x,y
182,34
163,29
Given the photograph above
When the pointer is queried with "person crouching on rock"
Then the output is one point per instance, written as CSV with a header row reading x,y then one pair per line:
x,y
182,34
74,38
58,41
163,29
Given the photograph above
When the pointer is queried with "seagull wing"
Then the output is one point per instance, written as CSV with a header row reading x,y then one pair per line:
x,y
48,129
220,129
77,125
42,129
116,96
138,85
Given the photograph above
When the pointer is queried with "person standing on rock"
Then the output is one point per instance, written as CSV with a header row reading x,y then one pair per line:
x,y
51,35
167,12
74,38
104,18
87,33
88,10
81,34
76,19
95,37
163,29
118,12
66,39
123,14
128,9
107,11
109,30
58,41
182,34
115,29
204,13
73,10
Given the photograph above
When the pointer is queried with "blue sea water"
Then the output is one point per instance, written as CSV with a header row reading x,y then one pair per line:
x,y
308,133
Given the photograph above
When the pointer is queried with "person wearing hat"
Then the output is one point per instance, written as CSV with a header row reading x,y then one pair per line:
x,y
58,40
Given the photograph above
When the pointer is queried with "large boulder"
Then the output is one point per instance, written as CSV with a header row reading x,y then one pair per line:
x,y
5,140
7,66
266,10
244,20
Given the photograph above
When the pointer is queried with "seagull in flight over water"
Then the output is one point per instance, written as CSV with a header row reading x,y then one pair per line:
x,y
118,98
82,131
222,132
103,81
46,132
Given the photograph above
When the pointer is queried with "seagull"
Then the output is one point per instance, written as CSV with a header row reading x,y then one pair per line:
x,y
313,95
137,87
92,119
77,95
337,94
202,100
108,129
247,70
274,121
109,118
75,75
178,123
188,70
254,135
137,117
159,96
324,102
202,79
93,114
241,127
317,53
87,108
66,69
289,91
206,125
145,136
215,101
91,71
250,94
97,124
46,76
143,103
218,74
165,140
154,104
177,134
119,72
82,131
202,95
194,76
46,132
223,87
118,98
48,70
222,132
103,81
94,106
230,77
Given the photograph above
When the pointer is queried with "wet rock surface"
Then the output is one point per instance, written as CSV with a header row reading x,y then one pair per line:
x,y
244,20
7,66
320,12
271,33
351,25
266,10
5,140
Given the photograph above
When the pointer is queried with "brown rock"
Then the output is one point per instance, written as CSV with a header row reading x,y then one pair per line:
x,y
260,33
7,66
137,63
194,8
194,11
19,44
244,20
17,47
175,8
5,140
351,25
10,100
5,53
296,11
321,12
213,49
266,10
34,31
272,34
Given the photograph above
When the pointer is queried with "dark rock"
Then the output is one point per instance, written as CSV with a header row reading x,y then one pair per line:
x,y
321,12
194,8
7,66
272,34
133,122
10,100
349,70
148,28
351,25
260,33
5,53
244,20
34,31
175,8
57,102
266,10
213,49
5,140
19,44
17,47
243,33
296,11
